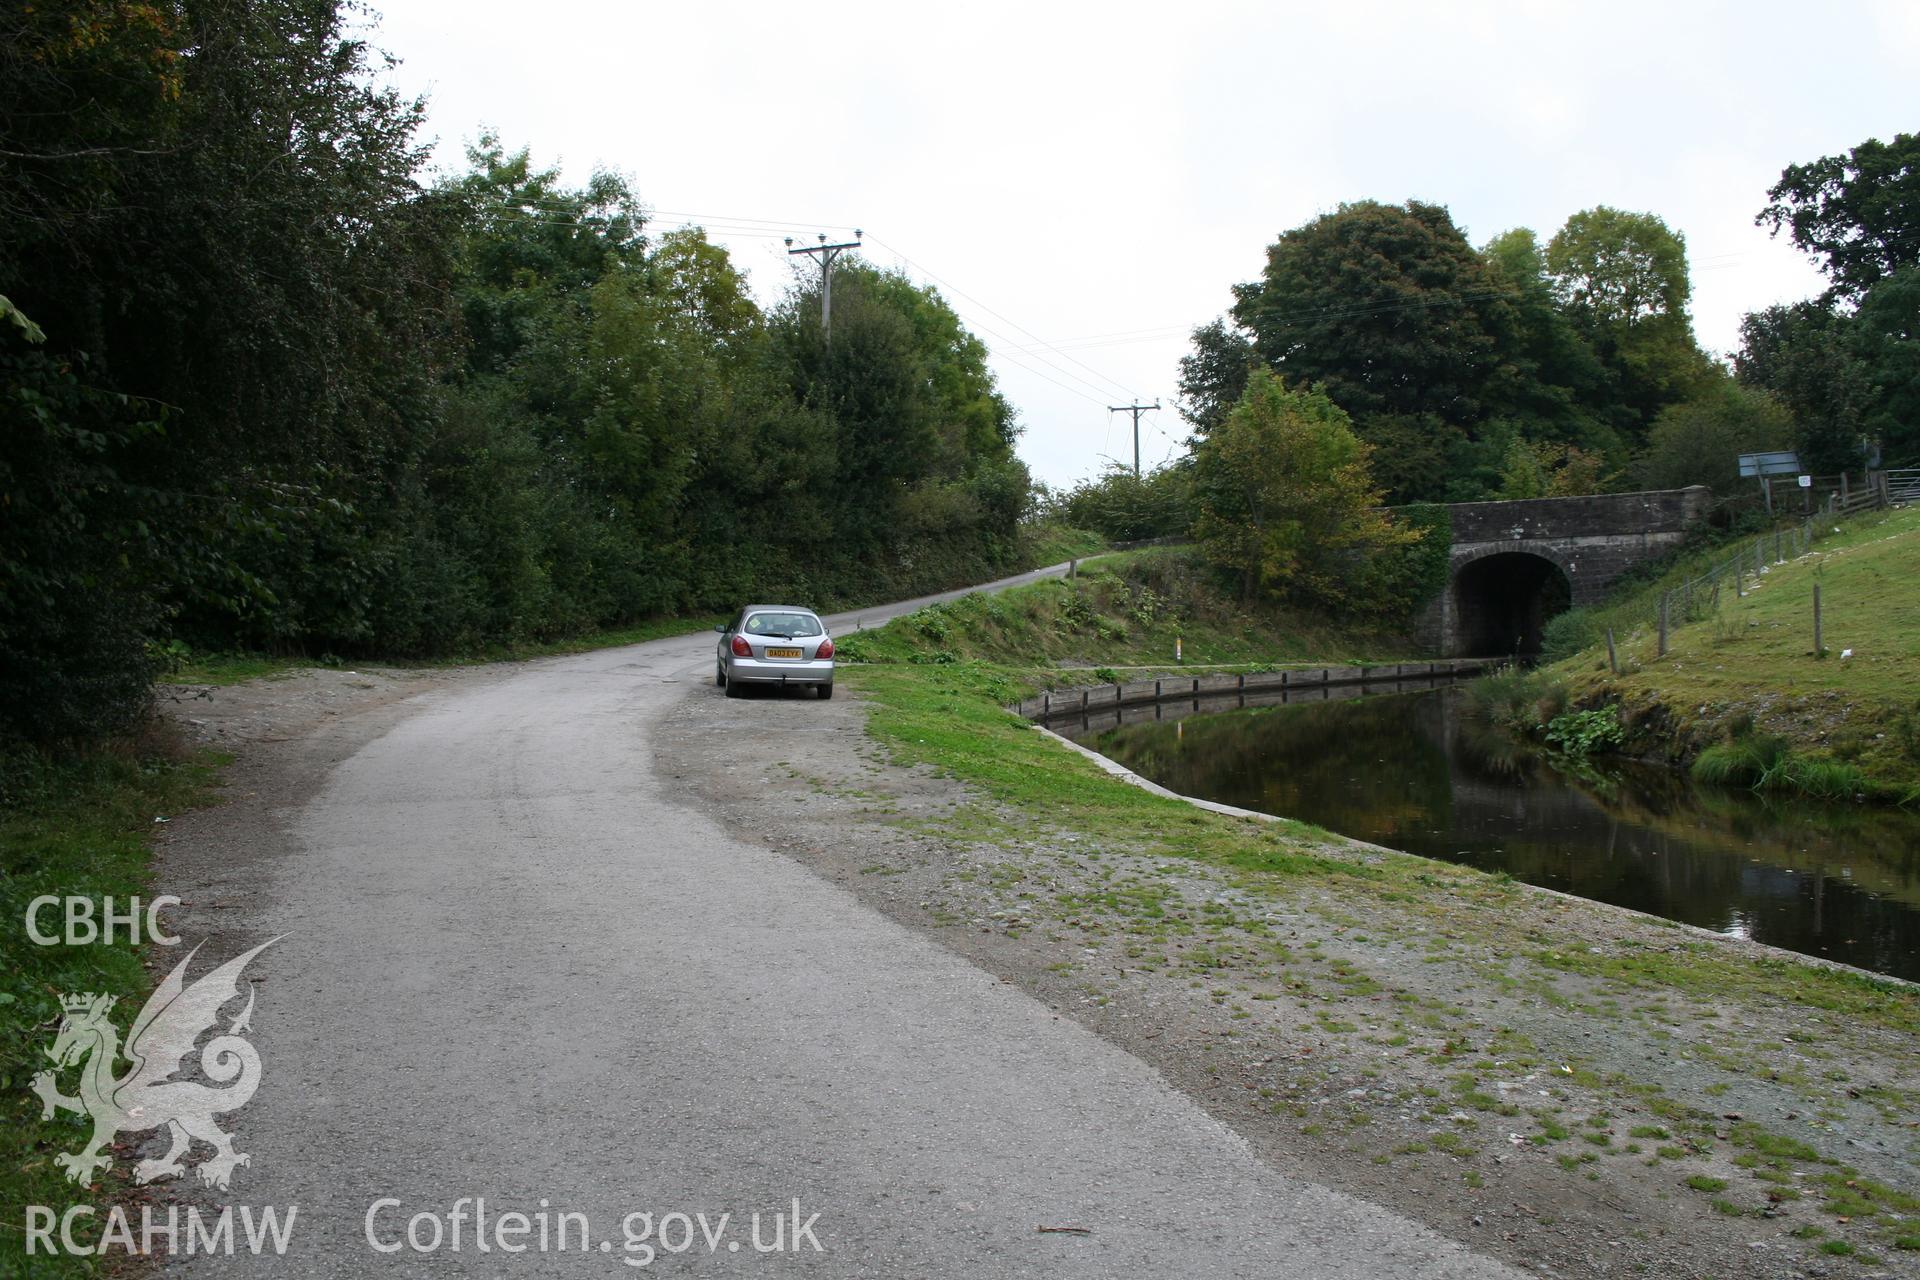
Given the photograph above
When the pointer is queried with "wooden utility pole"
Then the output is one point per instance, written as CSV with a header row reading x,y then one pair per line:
x,y
827,252
1136,410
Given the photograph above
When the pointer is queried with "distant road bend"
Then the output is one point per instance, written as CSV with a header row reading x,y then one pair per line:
x,y
519,967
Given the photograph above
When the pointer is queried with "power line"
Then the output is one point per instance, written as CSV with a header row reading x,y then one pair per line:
x,y
1008,350
1111,384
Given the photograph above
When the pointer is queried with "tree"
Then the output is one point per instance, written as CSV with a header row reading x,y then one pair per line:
x,y
1556,387
1700,439
1887,342
1848,364
1615,270
530,248
214,220
1858,213
1805,354
1385,306
702,286
1214,375
1621,279
1548,471
922,438
1285,502
265,390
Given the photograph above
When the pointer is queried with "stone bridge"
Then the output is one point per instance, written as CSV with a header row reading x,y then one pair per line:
x,y
1516,564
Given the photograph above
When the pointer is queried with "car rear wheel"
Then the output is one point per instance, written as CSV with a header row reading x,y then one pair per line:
x,y
826,690
719,676
735,689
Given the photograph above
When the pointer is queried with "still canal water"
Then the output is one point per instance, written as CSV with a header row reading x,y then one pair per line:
x,y
1420,772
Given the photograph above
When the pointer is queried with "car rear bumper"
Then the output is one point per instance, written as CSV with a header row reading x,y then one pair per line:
x,y
758,671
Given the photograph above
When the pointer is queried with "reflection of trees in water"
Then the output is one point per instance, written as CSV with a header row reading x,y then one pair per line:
x,y
1350,765
1419,772
1881,846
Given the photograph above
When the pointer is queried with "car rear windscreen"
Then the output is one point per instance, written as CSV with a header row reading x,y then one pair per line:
x,y
783,624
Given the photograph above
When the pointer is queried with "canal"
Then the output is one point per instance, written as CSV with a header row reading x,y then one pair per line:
x,y
1421,772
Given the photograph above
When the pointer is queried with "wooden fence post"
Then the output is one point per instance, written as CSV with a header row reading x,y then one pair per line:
x,y
1818,648
1663,622
1613,663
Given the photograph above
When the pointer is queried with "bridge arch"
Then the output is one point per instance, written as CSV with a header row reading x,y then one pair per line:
x,y
1514,564
1501,599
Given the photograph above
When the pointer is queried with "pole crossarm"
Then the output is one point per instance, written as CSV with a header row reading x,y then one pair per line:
x,y
1136,410
827,252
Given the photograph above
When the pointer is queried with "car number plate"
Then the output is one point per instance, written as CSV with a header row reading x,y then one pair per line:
x,y
782,653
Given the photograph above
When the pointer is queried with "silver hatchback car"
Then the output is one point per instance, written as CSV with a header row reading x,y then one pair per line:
x,y
774,644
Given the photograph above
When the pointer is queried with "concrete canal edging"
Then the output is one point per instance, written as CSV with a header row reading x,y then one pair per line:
x,y
1258,687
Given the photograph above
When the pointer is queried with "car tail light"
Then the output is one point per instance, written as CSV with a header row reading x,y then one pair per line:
x,y
825,650
741,649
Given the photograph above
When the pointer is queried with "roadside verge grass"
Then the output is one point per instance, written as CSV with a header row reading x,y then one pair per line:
x,y
70,828
950,717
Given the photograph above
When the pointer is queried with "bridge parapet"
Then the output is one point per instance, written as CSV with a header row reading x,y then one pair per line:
x,y
1594,515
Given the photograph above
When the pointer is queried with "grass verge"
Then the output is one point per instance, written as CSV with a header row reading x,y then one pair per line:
x,y
71,828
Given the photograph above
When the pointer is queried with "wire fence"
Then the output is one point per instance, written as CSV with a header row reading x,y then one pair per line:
x,y
1746,563
1781,498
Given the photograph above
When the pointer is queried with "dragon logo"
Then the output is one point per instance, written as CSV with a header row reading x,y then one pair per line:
x,y
147,1096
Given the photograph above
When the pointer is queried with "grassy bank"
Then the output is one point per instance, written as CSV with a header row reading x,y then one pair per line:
x,y
1127,609
71,828
1049,544
1743,695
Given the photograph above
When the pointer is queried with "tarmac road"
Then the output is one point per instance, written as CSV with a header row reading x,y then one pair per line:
x,y
518,967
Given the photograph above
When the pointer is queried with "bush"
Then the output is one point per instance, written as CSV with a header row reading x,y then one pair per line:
x,y
1124,508
1511,697
1568,633
1401,580
1581,733
1699,440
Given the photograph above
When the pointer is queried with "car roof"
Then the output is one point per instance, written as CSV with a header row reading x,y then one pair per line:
x,y
779,608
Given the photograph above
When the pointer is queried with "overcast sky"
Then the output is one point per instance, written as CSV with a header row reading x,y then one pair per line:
x,y
1084,182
